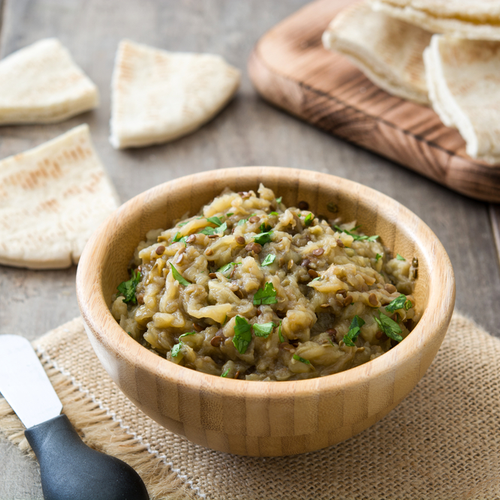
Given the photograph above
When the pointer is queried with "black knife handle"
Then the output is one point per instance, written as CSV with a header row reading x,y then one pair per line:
x,y
71,470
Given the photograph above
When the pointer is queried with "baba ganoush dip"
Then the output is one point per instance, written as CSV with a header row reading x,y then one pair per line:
x,y
255,290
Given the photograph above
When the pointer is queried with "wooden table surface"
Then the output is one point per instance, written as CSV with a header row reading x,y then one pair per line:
x,y
247,132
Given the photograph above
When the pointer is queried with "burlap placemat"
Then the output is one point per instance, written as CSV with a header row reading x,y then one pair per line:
x,y
441,442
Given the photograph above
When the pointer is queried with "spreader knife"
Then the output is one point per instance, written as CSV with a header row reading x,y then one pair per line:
x,y
70,470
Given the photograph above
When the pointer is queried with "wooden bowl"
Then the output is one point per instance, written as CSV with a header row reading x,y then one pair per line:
x,y
264,418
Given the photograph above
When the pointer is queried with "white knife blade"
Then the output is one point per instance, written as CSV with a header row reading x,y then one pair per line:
x,y
24,383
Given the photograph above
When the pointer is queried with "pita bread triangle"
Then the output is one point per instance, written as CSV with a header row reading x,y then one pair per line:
x,y
52,198
473,19
463,78
42,84
387,50
158,96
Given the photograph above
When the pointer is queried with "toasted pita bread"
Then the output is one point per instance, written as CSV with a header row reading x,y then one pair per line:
x,y
464,87
42,84
158,96
473,19
387,50
52,198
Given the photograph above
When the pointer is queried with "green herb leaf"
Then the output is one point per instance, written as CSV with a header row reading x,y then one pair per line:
x,y
316,279
220,230
378,256
400,257
176,350
215,220
209,230
357,237
266,295
278,200
408,305
275,214
309,219
177,237
183,223
264,228
389,327
225,373
263,329
354,331
302,360
187,334
242,221
263,238
127,288
242,334
227,267
280,335
178,276
229,214
268,260
397,303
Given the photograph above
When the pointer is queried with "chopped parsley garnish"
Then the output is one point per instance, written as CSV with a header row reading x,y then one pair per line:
x,y
264,228
263,238
176,350
316,279
400,257
225,373
268,260
278,200
215,220
187,334
227,267
354,331
242,221
263,329
266,295
302,360
242,334
309,219
275,213
408,305
127,288
280,335
397,303
229,214
183,223
178,276
357,237
389,327
177,237
214,230
378,256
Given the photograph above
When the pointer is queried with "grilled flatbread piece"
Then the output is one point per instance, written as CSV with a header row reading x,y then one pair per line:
x,y
52,198
158,96
387,50
464,87
42,84
474,19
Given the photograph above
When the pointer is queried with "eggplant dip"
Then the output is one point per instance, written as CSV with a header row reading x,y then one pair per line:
x,y
255,290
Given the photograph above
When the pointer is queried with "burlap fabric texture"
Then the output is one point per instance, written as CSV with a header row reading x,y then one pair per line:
x,y
441,442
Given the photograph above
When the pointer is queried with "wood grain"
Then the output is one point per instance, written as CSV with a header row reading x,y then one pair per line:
x,y
257,418
291,69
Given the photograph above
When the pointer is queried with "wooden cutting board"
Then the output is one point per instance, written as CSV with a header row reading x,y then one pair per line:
x,y
290,68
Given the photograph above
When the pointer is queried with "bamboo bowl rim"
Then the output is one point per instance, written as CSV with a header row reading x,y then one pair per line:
x,y
97,316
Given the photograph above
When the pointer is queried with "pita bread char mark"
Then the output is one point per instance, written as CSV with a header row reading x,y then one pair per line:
x,y
52,198
388,51
464,86
42,84
158,96
472,19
